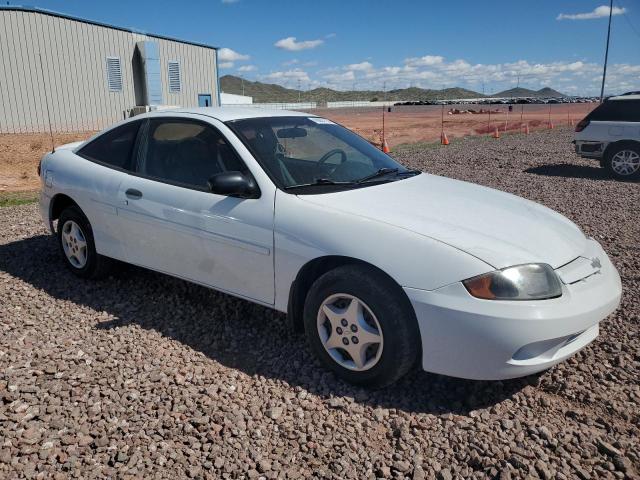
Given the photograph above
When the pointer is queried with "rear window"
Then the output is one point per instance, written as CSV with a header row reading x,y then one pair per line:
x,y
114,148
617,111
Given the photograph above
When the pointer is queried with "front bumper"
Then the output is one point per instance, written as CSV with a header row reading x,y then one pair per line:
x,y
466,337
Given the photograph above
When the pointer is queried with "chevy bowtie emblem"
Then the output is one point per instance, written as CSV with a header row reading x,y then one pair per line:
x,y
595,263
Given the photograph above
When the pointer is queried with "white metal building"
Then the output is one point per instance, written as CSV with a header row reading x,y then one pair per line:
x,y
233,99
88,75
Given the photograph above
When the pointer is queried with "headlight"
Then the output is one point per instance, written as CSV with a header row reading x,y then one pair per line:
x,y
534,281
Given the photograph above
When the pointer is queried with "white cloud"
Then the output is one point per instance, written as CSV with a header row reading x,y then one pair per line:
x,y
226,65
247,68
436,72
360,67
287,76
348,76
228,55
569,76
425,61
288,63
598,12
291,44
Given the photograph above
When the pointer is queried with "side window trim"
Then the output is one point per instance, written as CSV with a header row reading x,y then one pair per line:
x,y
141,146
128,168
143,134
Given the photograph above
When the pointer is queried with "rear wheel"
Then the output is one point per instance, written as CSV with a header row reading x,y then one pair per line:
x,y
623,161
360,325
75,238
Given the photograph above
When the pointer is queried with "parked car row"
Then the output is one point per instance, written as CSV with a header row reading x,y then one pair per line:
x,y
503,101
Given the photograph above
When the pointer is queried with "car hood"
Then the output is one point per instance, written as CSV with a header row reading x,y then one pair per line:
x,y
499,228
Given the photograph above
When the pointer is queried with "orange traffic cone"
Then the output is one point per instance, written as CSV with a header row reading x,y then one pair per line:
x,y
496,133
550,125
526,129
571,122
385,147
443,139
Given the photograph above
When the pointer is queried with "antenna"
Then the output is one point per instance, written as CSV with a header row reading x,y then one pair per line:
x,y
46,101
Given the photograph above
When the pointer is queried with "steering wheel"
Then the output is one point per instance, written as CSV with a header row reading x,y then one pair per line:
x,y
331,153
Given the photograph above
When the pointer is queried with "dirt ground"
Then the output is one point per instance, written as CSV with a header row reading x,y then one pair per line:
x,y
20,153
411,124
141,375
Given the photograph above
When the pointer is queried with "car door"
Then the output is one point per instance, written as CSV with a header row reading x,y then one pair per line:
x,y
97,180
173,224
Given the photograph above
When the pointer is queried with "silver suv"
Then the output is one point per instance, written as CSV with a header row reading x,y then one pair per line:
x,y
611,134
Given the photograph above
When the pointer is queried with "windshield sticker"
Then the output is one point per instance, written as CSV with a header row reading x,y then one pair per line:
x,y
321,121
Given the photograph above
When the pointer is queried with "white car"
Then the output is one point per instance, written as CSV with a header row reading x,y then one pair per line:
x,y
383,267
611,134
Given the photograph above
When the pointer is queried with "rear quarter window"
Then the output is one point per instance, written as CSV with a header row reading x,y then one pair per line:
x,y
113,148
616,111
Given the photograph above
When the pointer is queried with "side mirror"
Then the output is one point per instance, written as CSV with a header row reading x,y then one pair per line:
x,y
233,184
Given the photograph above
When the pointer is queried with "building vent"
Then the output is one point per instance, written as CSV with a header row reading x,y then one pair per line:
x,y
147,80
114,74
175,82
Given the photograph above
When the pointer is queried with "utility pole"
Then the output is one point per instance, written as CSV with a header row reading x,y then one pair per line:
x,y
606,52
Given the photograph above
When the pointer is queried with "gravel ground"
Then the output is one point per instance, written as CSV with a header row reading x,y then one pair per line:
x,y
141,375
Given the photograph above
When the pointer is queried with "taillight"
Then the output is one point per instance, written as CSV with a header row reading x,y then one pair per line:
x,y
582,124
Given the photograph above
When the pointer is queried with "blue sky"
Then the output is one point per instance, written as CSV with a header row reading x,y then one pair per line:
x,y
398,43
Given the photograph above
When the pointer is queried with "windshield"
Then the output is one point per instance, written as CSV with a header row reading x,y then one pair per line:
x,y
299,152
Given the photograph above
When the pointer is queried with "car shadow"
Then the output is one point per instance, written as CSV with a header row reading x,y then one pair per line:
x,y
568,170
236,333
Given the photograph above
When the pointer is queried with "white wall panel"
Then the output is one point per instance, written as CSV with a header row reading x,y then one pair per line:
x,y
74,65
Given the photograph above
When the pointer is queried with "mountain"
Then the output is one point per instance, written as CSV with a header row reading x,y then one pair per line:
x,y
525,92
267,92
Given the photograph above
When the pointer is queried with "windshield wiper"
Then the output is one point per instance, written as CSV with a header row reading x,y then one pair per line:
x,y
380,173
410,172
318,182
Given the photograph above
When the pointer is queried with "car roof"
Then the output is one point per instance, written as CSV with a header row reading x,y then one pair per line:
x,y
626,96
225,114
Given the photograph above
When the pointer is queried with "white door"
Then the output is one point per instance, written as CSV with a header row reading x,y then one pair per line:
x,y
108,160
173,224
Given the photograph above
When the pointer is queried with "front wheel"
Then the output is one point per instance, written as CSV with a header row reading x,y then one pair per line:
x,y
623,161
360,324
75,238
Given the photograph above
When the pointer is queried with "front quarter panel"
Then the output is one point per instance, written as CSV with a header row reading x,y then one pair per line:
x,y
304,231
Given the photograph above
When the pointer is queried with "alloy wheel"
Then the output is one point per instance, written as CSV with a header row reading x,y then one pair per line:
x,y
350,332
74,244
625,162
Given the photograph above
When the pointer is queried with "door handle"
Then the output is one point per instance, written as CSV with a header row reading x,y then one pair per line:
x,y
133,193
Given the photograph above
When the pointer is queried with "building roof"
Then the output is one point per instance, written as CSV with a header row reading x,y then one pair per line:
x,y
52,13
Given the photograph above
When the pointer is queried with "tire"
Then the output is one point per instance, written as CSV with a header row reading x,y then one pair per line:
x,y
76,247
386,311
622,161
